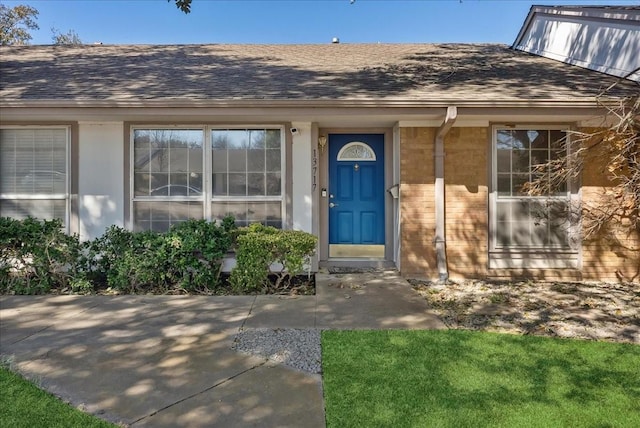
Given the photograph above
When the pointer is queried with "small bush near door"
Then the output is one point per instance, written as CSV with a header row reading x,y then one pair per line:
x,y
261,248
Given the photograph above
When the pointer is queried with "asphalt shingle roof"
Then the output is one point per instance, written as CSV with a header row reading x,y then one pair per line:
x,y
292,72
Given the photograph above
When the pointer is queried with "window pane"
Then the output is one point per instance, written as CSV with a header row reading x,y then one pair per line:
x,y
159,160
195,159
141,184
520,161
274,184
503,160
253,166
245,213
258,139
274,160
179,159
504,184
237,210
503,211
539,157
520,140
557,140
255,160
256,212
220,160
220,185
195,184
159,184
528,221
237,160
159,216
539,139
504,139
237,139
255,184
44,209
273,211
33,161
168,162
517,182
219,140
237,184
273,139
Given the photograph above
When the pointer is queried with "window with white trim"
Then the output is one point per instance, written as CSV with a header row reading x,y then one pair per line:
x,y
247,175
523,223
356,151
167,177
207,172
34,172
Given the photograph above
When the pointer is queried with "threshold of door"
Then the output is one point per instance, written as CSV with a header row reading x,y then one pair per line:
x,y
349,250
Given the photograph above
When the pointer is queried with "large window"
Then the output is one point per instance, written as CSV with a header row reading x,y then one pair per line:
x,y
34,176
167,177
246,175
207,173
523,223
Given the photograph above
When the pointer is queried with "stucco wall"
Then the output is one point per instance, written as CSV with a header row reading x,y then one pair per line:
x,y
101,177
300,175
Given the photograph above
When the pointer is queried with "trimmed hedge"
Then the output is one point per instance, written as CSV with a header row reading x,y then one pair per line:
x,y
259,248
37,257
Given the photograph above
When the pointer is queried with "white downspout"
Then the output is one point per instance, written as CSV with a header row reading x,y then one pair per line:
x,y
440,240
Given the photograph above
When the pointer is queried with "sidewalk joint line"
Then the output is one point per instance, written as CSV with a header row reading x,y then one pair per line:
x,y
49,326
200,392
244,321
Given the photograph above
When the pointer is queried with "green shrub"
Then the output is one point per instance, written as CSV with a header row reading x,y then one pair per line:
x,y
36,256
258,247
188,257
194,253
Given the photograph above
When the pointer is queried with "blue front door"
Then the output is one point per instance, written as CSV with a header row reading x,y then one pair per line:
x,y
356,195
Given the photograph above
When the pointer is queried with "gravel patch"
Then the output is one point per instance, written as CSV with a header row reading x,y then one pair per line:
x,y
296,348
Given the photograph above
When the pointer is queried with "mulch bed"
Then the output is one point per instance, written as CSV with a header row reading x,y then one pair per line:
x,y
596,311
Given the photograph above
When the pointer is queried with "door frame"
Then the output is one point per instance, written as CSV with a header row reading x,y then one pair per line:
x,y
323,202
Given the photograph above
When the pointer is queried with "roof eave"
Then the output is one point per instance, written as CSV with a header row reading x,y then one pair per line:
x,y
318,103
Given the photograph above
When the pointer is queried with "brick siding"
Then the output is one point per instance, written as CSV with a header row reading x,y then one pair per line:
x,y
467,153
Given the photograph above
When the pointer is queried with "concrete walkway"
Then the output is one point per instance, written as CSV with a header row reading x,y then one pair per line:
x,y
166,361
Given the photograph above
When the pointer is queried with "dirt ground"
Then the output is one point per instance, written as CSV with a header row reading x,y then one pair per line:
x,y
609,312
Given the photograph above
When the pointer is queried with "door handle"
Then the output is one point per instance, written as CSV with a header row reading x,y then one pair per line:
x,y
331,205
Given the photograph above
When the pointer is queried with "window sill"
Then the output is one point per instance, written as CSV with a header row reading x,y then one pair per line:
x,y
542,259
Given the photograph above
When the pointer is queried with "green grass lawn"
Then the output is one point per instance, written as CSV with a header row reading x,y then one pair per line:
x,y
458,378
22,404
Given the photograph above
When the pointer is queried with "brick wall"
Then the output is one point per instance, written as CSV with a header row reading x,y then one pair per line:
x,y
467,152
609,256
466,201
417,221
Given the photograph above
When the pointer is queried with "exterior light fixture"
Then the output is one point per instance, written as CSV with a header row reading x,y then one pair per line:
x,y
322,143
